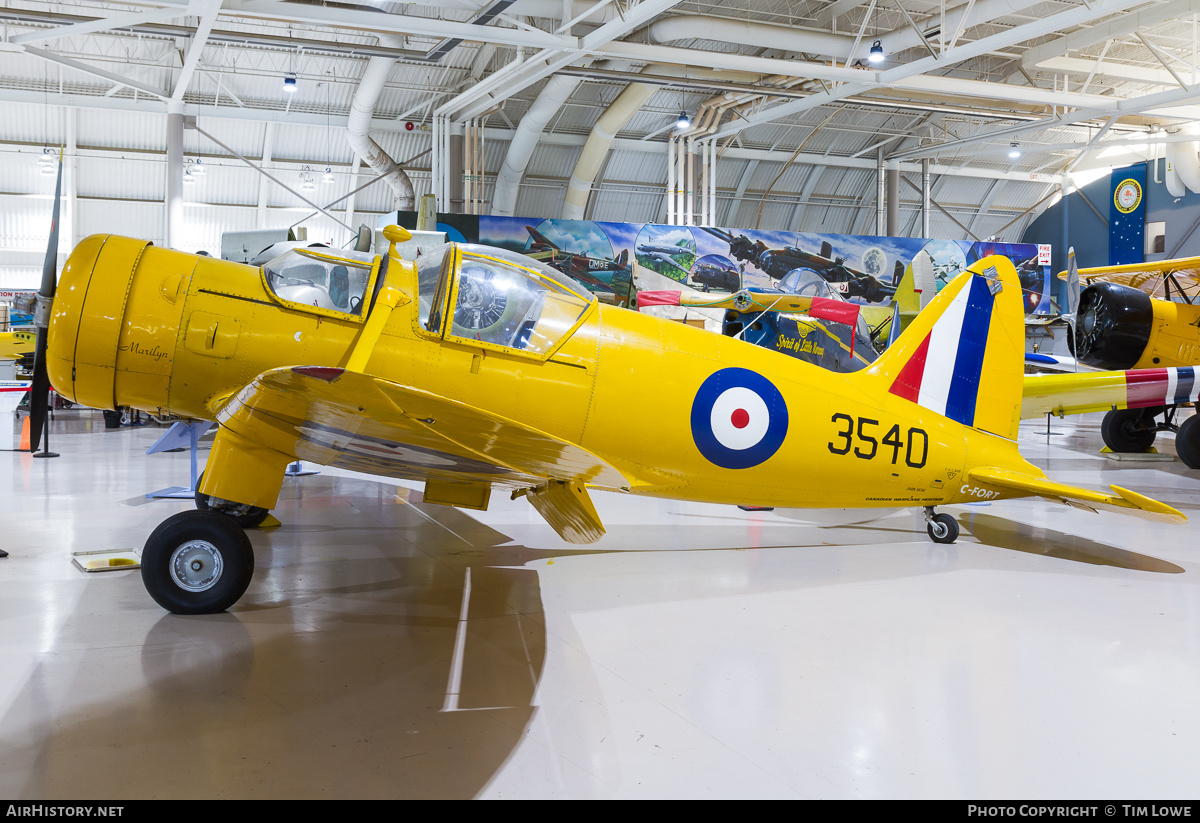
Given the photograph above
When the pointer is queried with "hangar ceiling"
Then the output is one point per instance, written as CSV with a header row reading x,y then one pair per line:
x,y
799,116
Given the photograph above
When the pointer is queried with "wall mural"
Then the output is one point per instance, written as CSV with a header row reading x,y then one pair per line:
x,y
615,260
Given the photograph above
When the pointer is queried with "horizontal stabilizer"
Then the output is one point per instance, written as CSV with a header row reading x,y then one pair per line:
x,y
1123,502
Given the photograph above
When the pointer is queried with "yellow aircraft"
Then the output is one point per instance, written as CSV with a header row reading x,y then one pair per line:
x,y
475,368
1127,319
14,344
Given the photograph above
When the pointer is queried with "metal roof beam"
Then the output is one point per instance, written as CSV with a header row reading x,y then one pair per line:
x,y
1018,34
517,78
71,63
372,21
494,133
99,24
1121,26
836,9
1135,105
207,11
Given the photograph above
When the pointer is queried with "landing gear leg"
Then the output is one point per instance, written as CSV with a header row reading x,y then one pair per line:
x,y
942,528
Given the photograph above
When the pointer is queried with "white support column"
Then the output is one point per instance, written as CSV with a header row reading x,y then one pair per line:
x,y
353,185
704,184
264,184
670,180
712,182
70,223
690,183
925,205
680,166
435,161
880,210
174,204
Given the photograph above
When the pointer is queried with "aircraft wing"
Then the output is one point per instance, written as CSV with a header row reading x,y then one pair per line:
x,y
746,300
1053,362
1084,392
352,420
1149,277
13,344
1123,501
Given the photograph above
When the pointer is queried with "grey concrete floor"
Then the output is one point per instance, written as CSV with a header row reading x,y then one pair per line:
x,y
391,648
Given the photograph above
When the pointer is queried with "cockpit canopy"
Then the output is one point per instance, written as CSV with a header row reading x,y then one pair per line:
x,y
498,298
333,281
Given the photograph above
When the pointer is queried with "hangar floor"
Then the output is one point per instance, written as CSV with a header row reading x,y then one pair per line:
x,y
390,648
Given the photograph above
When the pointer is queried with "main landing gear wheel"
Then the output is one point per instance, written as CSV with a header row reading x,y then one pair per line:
x,y
197,562
1129,430
1187,442
942,528
244,515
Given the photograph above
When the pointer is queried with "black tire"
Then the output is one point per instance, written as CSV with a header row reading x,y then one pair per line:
x,y
1187,442
942,529
197,563
251,518
1129,431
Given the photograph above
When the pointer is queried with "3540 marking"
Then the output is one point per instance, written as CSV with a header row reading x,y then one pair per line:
x,y
864,429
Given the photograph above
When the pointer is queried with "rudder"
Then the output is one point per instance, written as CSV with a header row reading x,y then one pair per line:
x,y
963,356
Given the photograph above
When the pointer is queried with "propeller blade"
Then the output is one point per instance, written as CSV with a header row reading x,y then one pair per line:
x,y
39,394
1072,282
39,391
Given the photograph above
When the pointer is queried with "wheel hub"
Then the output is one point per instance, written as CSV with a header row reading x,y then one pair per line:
x,y
196,566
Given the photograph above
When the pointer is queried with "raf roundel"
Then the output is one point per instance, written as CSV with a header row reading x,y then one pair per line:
x,y
739,419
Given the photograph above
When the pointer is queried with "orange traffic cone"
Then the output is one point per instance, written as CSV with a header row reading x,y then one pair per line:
x,y
25,434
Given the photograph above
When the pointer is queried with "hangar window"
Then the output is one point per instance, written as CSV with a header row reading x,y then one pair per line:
x,y
311,278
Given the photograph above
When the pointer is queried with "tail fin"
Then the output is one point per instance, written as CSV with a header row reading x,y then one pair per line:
x,y
623,258
963,355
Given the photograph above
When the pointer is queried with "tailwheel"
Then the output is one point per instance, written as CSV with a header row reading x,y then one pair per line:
x,y
197,562
243,514
942,528
1187,442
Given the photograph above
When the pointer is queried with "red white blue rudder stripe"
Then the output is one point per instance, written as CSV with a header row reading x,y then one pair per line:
x,y
945,372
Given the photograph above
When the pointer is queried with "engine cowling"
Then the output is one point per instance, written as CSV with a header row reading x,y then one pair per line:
x,y
1112,326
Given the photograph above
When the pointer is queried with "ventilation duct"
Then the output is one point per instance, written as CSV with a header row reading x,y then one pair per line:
x,y
615,118
362,108
551,98
1183,167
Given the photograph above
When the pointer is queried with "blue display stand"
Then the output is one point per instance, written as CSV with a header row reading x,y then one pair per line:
x,y
185,433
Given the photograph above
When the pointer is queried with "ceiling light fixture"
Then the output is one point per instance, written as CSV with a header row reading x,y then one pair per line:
x,y
48,161
684,121
188,177
289,83
197,168
327,177
1014,150
876,55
